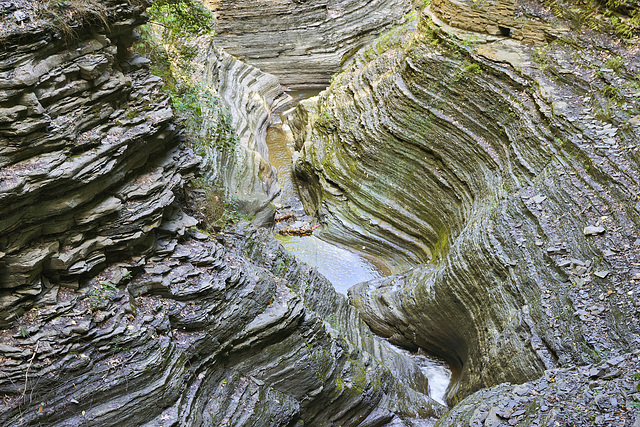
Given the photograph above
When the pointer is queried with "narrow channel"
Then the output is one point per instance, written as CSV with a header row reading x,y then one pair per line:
x,y
343,267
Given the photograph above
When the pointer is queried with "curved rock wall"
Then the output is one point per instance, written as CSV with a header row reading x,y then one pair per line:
x,y
301,42
250,96
506,172
115,310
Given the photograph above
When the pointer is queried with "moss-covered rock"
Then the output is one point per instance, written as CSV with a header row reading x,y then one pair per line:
x,y
473,163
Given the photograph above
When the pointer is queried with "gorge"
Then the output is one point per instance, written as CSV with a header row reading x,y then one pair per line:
x,y
484,153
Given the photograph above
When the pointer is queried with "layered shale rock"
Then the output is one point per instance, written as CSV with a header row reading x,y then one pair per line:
x,y
204,336
115,310
89,157
235,105
301,42
502,178
499,18
601,394
250,96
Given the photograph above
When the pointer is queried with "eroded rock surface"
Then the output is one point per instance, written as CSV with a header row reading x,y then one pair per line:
x,y
115,309
601,394
478,161
301,42
89,158
250,96
204,336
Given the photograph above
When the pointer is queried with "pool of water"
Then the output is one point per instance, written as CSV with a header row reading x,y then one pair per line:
x,y
342,267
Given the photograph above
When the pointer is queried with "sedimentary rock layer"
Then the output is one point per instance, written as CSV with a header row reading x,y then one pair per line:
x,y
301,42
203,336
506,176
115,310
250,97
602,393
89,158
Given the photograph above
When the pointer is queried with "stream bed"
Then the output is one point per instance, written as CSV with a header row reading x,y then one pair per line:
x,y
342,266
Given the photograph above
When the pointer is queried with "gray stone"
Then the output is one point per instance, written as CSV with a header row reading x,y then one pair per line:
x,y
539,199
592,230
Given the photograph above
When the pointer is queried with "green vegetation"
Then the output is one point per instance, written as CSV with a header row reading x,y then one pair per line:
x,y
165,42
542,58
168,41
467,69
182,18
99,297
327,121
620,17
592,354
615,63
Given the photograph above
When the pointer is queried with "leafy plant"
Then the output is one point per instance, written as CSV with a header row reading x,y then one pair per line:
x,y
217,208
99,296
615,63
206,121
181,18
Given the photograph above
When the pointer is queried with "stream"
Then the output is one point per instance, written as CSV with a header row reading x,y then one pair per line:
x,y
342,266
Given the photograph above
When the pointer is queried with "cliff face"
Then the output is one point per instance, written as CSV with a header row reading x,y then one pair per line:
x,y
301,42
89,157
115,310
250,96
505,175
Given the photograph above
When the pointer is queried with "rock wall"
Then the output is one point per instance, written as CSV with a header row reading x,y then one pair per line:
x,y
301,42
506,177
89,157
250,96
496,17
115,309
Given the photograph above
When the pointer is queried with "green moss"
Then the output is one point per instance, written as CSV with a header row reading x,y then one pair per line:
x,y
441,247
467,69
324,363
618,17
360,382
